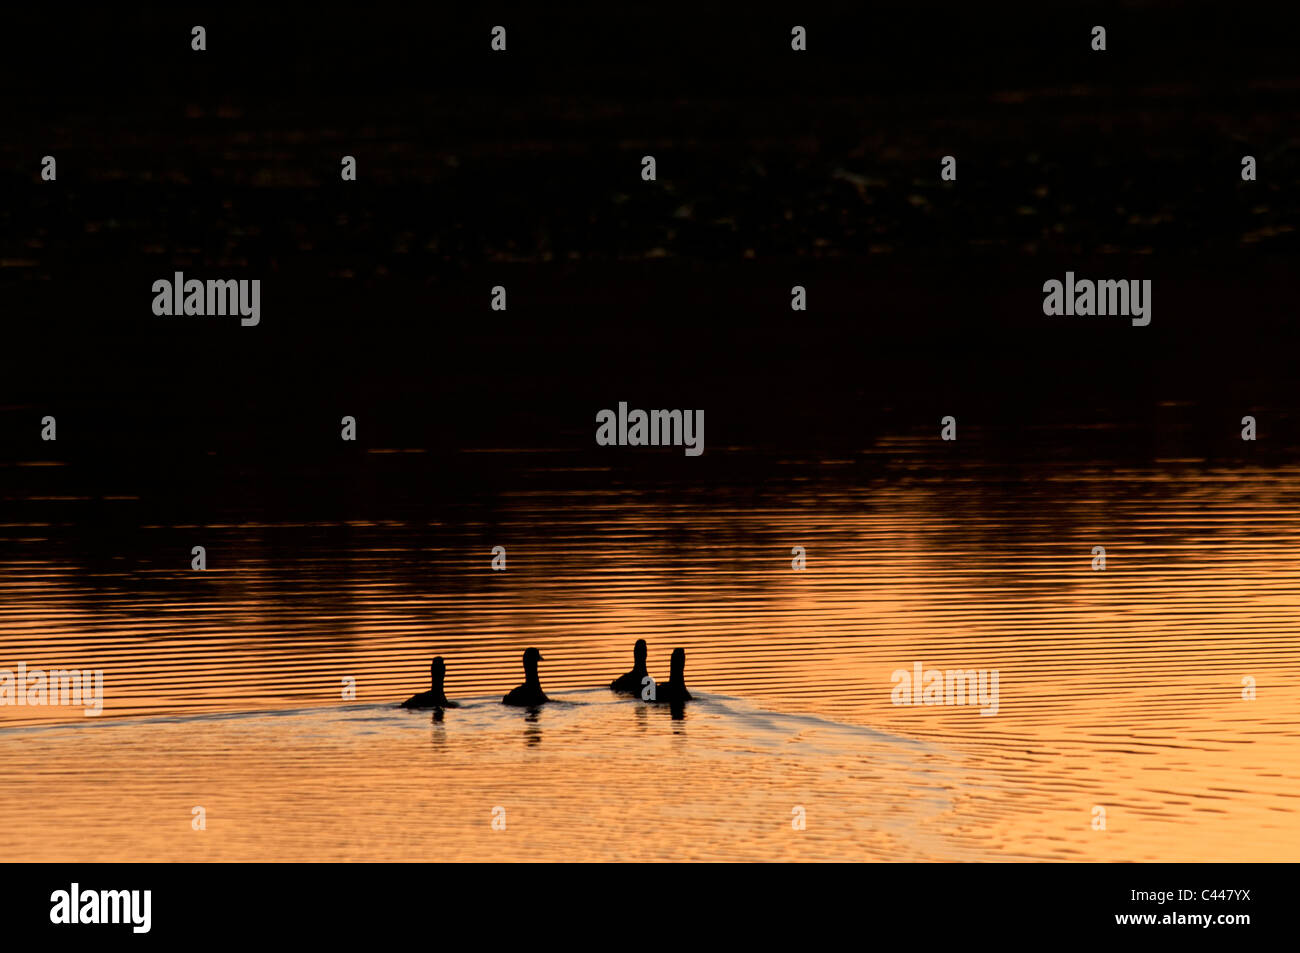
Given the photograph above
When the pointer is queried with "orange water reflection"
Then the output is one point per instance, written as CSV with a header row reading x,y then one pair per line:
x,y
1119,689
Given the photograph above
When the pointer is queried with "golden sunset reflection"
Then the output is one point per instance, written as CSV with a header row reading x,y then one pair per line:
x,y
1120,689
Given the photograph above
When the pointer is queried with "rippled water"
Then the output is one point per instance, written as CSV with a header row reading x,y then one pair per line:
x,y
1120,689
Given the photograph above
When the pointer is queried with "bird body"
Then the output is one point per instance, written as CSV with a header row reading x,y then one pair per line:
x,y
434,697
674,690
429,700
530,693
630,684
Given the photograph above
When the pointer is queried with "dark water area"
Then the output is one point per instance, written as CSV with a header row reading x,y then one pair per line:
x,y
775,169
884,350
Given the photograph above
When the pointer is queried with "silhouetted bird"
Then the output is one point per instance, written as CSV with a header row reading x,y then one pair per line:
x,y
434,697
530,692
630,684
674,690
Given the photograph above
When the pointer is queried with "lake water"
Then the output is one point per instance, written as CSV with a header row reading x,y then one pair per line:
x,y
1119,689
1161,694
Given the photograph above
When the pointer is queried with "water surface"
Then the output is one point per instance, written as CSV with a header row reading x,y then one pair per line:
x,y
1119,689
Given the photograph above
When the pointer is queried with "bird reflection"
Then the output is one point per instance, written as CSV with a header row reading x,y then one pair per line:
x,y
532,727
